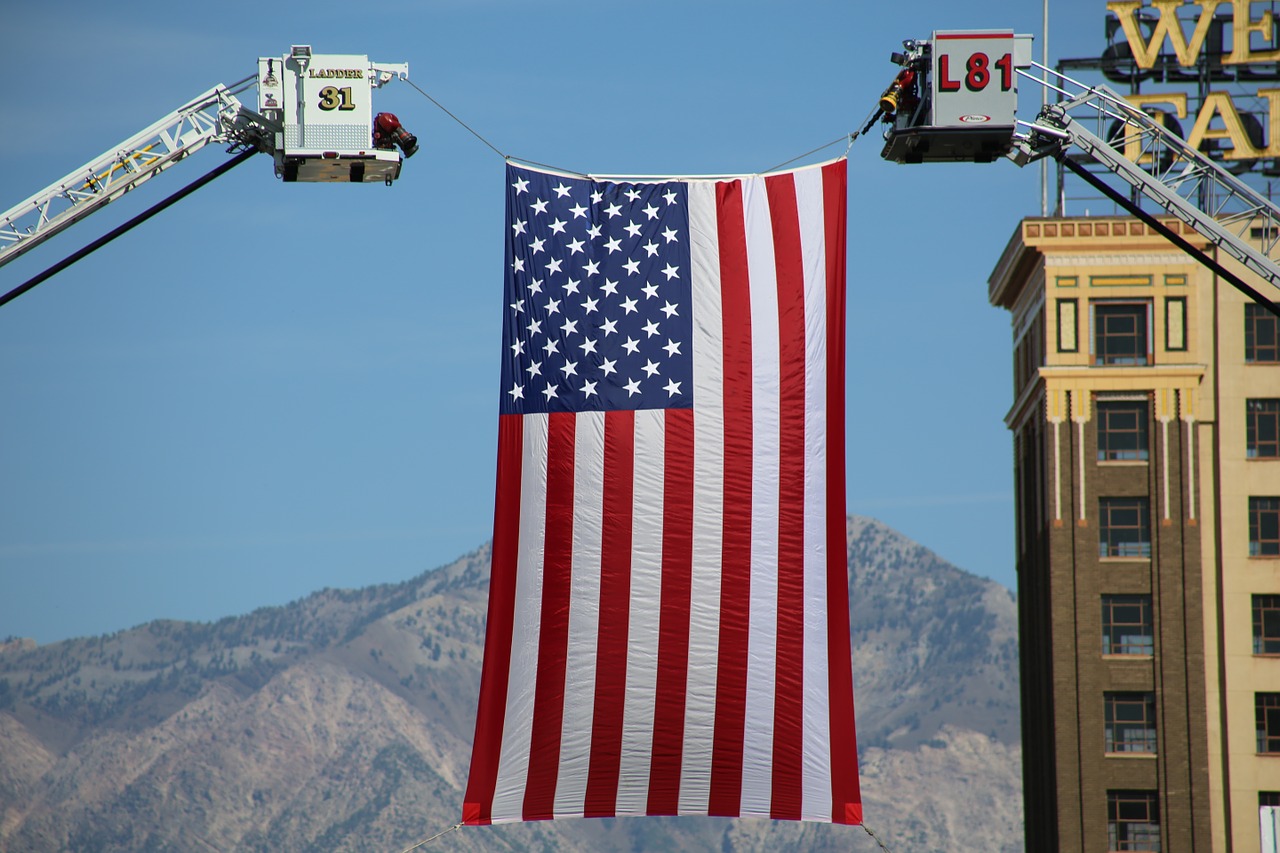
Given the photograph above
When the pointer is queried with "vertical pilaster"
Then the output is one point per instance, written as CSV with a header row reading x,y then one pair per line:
x,y
1081,408
1056,411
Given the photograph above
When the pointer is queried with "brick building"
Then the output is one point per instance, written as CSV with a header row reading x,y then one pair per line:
x,y
1146,423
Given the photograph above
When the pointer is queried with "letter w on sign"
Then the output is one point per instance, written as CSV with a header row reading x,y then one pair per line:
x,y
668,611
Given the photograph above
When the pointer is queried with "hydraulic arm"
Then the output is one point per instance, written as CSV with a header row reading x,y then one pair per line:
x,y
314,117
954,101
215,116
1159,165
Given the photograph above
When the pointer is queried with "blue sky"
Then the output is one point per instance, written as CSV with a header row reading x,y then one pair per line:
x,y
274,388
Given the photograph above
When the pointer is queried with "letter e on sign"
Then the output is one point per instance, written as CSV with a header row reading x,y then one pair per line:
x,y
973,75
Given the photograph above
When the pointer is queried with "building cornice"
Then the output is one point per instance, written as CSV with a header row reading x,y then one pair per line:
x,y
1119,259
1081,241
1125,378
1011,270
1150,378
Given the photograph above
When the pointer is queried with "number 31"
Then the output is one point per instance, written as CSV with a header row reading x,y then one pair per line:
x,y
333,98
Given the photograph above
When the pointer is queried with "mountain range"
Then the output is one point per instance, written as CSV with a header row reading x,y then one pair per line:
x,y
343,722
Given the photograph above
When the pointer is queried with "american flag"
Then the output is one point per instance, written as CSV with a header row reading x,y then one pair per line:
x,y
668,616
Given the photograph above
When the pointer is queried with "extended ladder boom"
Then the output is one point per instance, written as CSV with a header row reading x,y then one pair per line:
x,y
314,117
1161,166
955,101
215,116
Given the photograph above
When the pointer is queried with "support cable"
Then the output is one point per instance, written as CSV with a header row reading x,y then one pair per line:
x,y
137,220
848,136
432,838
458,826
876,838
559,169
1168,233
468,127
842,138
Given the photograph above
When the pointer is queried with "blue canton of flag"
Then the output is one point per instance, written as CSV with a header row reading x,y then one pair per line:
x,y
597,296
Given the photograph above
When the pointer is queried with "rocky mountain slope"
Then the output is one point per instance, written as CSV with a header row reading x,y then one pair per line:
x,y
343,721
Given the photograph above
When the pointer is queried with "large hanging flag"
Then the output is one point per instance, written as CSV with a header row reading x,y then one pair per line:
x,y
668,610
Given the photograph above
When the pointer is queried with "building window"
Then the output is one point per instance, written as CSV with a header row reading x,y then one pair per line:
x,y
1122,430
1262,429
1127,625
1269,819
1267,711
1067,340
1264,527
1120,333
1130,722
1133,820
1266,624
1124,527
1175,324
1261,335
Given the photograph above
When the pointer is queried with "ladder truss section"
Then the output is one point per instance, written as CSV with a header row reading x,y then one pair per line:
x,y
1162,167
215,116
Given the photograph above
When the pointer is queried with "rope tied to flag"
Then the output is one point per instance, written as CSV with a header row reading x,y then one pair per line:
x,y
458,826
427,841
850,137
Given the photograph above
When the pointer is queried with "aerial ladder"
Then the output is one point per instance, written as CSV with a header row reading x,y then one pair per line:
x,y
314,117
955,100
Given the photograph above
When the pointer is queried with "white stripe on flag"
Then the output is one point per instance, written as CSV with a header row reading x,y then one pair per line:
x,y
757,754
517,731
584,614
817,736
646,599
708,485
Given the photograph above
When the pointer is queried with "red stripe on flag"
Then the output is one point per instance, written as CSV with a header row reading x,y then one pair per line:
x,y
477,807
615,610
673,624
735,584
788,702
553,637
845,798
